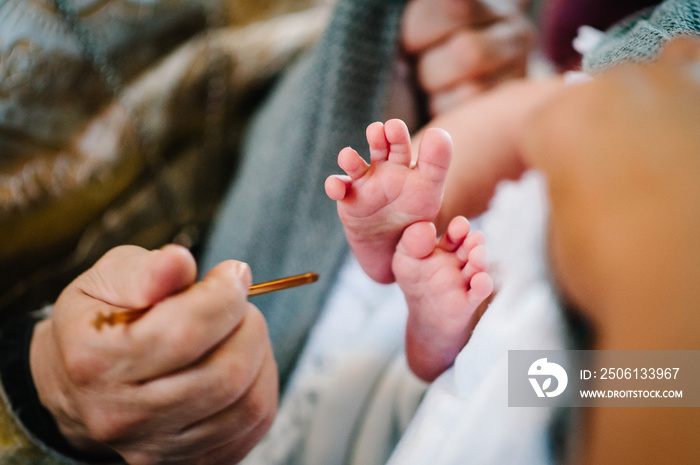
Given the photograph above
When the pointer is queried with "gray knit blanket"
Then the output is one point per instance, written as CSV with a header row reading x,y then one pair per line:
x,y
277,216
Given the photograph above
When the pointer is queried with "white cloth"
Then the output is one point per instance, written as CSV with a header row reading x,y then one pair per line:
x,y
464,417
352,396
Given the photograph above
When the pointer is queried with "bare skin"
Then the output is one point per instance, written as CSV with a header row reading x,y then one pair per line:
x,y
192,381
386,208
377,201
444,286
621,157
462,48
133,389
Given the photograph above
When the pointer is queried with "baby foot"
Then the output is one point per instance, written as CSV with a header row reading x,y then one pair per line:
x,y
445,284
377,201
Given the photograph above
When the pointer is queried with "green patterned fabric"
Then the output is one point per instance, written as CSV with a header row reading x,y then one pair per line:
x,y
18,448
76,81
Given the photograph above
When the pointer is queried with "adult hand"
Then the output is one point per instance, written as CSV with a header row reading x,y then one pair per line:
x,y
463,47
191,381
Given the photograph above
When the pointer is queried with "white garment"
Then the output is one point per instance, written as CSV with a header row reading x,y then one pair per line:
x,y
352,396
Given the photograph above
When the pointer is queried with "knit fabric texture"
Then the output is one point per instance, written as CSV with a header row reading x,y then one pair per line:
x,y
640,37
277,217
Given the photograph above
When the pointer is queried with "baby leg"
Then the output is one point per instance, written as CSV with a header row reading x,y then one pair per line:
x,y
445,284
377,201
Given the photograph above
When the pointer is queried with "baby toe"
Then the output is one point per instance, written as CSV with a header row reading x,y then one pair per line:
x,y
418,240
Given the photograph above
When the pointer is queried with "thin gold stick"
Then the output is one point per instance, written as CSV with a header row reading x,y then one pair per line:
x,y
127,316
284,283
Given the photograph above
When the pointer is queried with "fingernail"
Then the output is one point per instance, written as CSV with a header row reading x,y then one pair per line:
x,y
243,272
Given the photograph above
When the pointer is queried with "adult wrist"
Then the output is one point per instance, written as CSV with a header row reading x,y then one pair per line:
x,y
22,395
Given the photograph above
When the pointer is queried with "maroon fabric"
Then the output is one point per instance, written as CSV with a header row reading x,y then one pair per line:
x,y
562,18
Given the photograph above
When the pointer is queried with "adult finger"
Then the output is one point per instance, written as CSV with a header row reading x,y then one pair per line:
x,y
471,53
124,278
427,22
239,426
181,329
217,380
444,100
132,277
222,438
